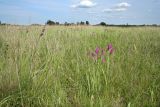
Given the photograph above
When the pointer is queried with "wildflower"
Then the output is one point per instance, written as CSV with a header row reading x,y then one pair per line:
x,y
97,50
100,53
110,48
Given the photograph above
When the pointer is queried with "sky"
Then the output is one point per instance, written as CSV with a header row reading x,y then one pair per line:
x,y
94,11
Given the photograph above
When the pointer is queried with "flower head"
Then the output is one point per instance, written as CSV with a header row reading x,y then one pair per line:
x,y
97,50
109,46
100,53
111,50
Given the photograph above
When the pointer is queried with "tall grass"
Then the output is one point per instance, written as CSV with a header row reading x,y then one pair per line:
x,y
54,70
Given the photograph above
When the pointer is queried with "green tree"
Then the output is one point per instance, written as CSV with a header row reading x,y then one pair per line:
x,y
82,23
87,22
49,22
57,23
103,24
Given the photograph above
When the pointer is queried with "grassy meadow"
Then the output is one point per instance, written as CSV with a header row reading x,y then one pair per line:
x,y
55,69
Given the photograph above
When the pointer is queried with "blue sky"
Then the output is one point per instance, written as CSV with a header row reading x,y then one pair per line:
x,y
95,11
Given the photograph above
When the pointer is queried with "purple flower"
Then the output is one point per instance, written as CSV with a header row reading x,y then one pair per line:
x,y
97,50
110,47
111,50
100,53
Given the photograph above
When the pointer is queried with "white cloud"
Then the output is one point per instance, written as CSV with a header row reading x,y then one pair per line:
x,y
84,4
122,5
118,7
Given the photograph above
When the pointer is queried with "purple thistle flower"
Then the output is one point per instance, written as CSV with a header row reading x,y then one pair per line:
x,y
97,50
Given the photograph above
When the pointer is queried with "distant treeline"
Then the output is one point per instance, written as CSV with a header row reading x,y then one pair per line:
x,y
3,23
50,22
127,25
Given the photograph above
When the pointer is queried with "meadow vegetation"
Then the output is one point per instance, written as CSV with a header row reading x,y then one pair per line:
x,y
55,70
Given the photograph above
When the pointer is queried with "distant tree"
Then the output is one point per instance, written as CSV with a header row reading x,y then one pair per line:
x,y
154,24
66,24
4,24
82,23
36,24
103,24
0,22
49,22
72,23
57,23
87,22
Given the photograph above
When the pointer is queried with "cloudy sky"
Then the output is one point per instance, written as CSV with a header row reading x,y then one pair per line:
x,y
95,11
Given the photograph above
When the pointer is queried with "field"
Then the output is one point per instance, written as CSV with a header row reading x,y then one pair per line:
x,y
58,69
